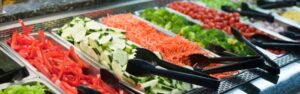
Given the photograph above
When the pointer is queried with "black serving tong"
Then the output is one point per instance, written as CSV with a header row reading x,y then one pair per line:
x,y
241,38
247,64
86,90
267,42
114,81
150,57
246,11
13,75
199,58
277,4
292,32
140,67
215,48
237,63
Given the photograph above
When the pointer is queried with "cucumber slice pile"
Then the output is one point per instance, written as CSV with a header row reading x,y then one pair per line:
x,y
110,47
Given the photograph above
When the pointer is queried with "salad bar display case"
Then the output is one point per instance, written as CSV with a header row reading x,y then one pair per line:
x,y
149,47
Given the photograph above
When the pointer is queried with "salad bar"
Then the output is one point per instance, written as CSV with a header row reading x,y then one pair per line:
x,y
150,47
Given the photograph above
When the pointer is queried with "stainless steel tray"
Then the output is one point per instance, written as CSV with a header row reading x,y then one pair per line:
x,y
88,58
91,66
49,22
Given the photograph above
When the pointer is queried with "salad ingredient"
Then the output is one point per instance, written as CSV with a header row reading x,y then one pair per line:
x,y
213,19
36,88
112,49
62,67
194,32
217,4
173,49
275,26
293,15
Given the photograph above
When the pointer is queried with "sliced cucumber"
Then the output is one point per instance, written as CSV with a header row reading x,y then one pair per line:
x,y
117,69
118,44
94,25
92,53
186,86
94,36
104,39
67,32
83,46
79,32
176,91
93,43
120,56
150,83
160,91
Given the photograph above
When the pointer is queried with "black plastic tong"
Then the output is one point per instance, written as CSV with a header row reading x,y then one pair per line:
x,y
237,63
267,42
241,38
246,11
277,4
140,67
150,57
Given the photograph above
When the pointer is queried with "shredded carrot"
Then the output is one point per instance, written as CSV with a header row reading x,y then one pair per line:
x,y
173,49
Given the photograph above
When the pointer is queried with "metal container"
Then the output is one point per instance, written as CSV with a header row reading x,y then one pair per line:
x,y
88,58
91,66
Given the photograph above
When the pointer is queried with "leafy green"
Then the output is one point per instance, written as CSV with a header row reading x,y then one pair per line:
x,y
24,89
217,4
194,32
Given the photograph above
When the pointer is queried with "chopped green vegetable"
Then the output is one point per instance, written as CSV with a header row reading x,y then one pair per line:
x,y
25,89
217,4
194,32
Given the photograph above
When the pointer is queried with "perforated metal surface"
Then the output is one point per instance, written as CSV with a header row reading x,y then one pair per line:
x,y
226,84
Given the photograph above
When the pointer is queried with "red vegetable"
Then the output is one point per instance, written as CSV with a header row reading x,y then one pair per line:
x,y
63,67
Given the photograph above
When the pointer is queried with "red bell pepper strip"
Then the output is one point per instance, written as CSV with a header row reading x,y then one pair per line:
x,y
26,29
43,37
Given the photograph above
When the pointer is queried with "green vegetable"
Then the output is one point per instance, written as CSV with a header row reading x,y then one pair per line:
x,y
217,4
194,32
25,89
111,48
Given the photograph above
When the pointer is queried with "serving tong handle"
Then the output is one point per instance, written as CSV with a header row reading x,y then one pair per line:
x,y
277,4
149,56
246,11
283,46
247,64
198,58
140,67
